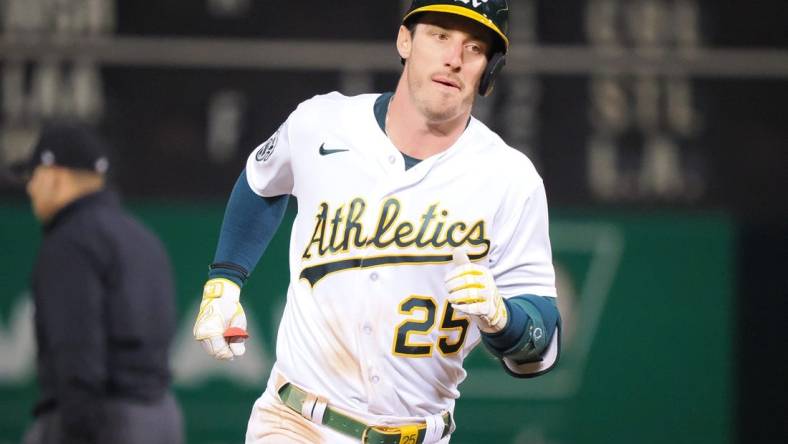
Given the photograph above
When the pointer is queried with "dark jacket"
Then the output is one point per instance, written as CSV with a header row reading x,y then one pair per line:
x,y
105,313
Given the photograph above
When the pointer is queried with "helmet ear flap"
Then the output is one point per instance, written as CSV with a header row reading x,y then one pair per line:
x,y
494,66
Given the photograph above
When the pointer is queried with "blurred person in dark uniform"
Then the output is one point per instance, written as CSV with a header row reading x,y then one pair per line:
x,y
104,304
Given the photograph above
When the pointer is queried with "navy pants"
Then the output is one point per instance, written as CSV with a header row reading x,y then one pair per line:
x,y
127,422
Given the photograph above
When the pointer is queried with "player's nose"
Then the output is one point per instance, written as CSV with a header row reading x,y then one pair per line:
x,y
453,55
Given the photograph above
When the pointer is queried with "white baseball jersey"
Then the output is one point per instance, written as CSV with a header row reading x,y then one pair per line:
x,y
366,323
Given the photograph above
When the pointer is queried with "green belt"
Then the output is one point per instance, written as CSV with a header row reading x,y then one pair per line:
x,y
294,398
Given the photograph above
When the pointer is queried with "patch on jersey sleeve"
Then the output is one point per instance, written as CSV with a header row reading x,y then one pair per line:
x,y
267,148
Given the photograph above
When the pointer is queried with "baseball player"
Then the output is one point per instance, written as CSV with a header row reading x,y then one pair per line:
x,y
419,234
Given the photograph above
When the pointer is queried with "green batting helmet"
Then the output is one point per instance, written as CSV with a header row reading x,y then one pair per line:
x,y
494,14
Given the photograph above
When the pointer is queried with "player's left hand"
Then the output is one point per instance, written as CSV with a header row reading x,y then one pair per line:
x,y
472,291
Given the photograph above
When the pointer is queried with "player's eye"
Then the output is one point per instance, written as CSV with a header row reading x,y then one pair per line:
x,y
474,48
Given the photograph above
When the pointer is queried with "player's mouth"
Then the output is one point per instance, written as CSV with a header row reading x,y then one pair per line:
x,y
447,82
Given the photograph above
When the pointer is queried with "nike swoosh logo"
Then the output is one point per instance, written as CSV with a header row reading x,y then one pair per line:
x,y
326,152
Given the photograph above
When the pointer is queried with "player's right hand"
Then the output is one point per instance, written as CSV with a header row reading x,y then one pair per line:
x,y
220,311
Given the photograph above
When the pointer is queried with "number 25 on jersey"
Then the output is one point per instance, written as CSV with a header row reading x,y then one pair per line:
x,y
422,311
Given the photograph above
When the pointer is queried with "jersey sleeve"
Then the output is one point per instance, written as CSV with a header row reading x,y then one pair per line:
x,y
520,255
269,167
521,261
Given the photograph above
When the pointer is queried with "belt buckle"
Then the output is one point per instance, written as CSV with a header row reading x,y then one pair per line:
x,y
404,434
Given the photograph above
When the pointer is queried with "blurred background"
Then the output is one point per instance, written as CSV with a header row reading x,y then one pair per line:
x,y
659,127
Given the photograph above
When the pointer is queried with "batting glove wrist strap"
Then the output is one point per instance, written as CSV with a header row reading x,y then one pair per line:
x,y
228,270
472,291
220,310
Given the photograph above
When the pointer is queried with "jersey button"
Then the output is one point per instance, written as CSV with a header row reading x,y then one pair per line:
x,y
374,379
373,277
367,329
392,159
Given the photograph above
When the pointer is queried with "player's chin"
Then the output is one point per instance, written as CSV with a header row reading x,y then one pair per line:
x,y
439,106
442,111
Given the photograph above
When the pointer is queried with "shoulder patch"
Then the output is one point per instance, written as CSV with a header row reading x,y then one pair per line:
x,y
267,148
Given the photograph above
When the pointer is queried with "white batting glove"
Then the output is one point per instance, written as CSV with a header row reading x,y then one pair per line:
x,y
472,291
221,323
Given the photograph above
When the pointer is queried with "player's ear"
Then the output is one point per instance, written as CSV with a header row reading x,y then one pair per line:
x,y
404,42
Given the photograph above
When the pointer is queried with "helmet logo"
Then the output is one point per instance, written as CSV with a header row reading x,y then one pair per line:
x,y
476,3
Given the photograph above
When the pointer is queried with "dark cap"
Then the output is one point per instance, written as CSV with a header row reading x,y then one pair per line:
x,y
71,145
